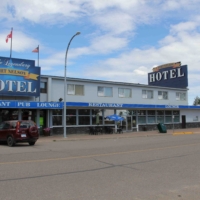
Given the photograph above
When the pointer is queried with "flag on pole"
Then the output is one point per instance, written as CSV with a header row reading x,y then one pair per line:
x,y
9,36
36,50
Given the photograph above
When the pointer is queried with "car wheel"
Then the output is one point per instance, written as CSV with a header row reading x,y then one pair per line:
x,y
31,143
10,141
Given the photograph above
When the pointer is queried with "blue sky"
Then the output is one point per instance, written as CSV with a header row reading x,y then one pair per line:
x,y
119,40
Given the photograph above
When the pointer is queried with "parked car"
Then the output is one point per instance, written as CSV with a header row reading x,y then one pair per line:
x,y
18,131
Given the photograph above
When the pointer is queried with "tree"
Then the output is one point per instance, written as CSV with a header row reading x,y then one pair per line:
x,y
196,101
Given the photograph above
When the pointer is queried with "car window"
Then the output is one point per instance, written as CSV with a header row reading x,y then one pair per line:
x,y
13,124
6,125
25,124
32,123
2,125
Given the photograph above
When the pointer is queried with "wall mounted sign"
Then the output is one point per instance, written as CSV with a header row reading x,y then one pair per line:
x,y
175,76
19,77
59,105
31,104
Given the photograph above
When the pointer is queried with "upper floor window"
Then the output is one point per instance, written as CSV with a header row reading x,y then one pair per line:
x,y
105,91
180,96
75,89
147,94
124,92
43,87
162,95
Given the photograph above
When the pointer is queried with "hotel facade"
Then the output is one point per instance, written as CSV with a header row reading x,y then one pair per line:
x,y
26,94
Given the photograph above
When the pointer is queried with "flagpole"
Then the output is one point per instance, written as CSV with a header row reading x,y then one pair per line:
x,y
11,43
38,55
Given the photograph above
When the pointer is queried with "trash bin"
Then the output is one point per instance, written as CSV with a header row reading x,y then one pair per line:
x,y
162,128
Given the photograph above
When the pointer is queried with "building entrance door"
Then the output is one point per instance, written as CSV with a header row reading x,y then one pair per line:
x,y
134,122
183,121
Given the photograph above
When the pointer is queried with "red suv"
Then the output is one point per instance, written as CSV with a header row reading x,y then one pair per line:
x,y
18,131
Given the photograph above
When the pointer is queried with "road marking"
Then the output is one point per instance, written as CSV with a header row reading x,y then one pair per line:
x,y
94,155
182,133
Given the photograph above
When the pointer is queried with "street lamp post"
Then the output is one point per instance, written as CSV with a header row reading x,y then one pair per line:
x,y
65,82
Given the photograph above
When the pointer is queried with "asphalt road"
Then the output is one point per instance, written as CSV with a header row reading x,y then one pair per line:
x,y
153,168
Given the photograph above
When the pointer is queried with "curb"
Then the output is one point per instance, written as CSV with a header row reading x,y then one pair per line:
x,y
100,137
112,136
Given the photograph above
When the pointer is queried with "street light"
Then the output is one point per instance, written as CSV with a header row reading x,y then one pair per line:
x,y
65,82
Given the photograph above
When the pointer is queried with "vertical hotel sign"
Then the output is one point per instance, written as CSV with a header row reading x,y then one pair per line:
x,y
19,77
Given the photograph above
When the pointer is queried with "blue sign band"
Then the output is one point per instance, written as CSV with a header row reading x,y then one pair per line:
x,y
59,105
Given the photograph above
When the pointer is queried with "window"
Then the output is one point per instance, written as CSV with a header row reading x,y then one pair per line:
x,y
141,116
168,119
176,112
43,87
75,89
160,119
151,116
105,91
151,119
71,117
97,117
124,92
151,112
84,116
160,116
180,96
57,117
147,94
8,115
176,115
176,119
162,95
141,119
141,112
172,116
131,112
168,112
160,112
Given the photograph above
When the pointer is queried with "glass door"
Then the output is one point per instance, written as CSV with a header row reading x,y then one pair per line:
x,y
129,124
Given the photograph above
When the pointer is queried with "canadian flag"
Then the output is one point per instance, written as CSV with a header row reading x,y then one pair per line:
x,y
9,36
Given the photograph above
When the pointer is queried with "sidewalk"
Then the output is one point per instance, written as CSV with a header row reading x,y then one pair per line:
x,y
71,137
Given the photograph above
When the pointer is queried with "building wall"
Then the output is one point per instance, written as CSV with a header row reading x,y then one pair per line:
x,y
191,115
56,88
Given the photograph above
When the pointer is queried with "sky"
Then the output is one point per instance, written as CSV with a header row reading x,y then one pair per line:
x,y
120,40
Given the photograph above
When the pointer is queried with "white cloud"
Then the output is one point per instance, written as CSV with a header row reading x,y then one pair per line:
x,y
116,22
184,26
39,11
177,4
141,71
107,43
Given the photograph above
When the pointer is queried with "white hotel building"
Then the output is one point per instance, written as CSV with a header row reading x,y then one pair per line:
x,y
88,102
